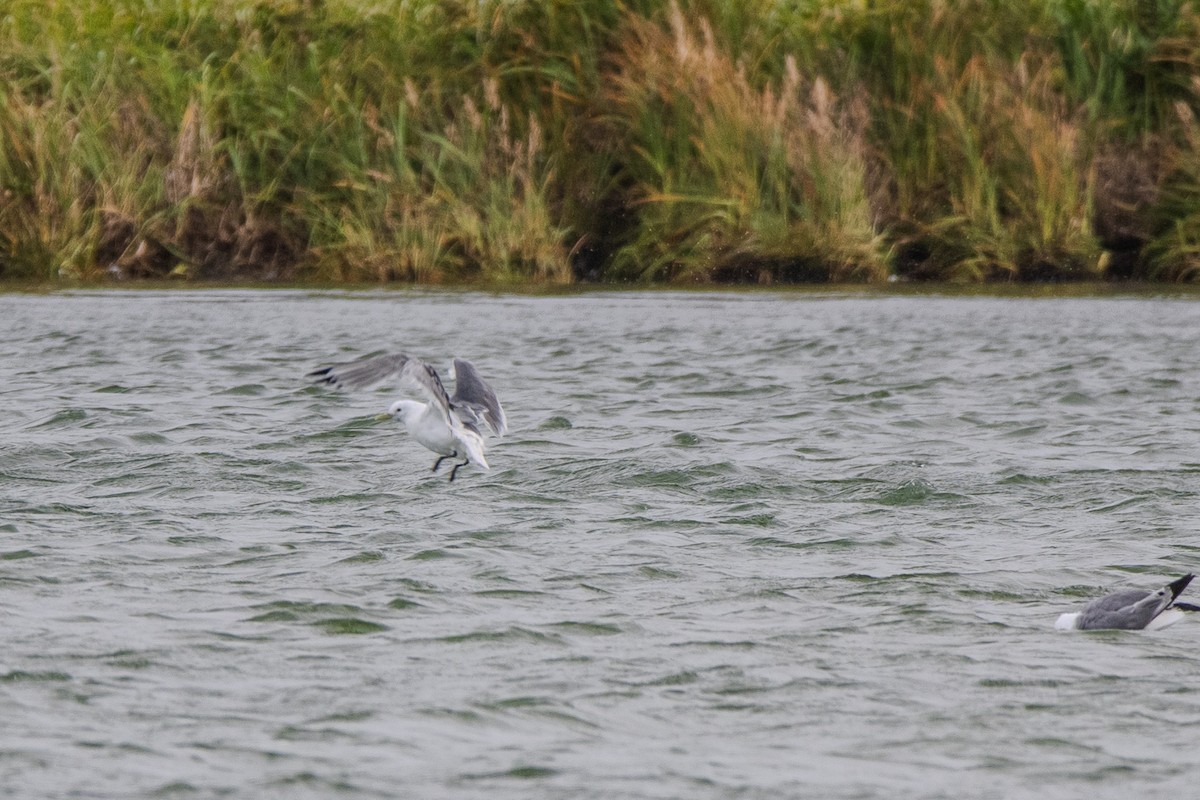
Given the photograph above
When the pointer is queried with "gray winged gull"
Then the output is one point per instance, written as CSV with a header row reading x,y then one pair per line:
x,y
1131,609
450,425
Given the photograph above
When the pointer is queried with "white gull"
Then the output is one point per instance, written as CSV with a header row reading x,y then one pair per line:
x,y
451,426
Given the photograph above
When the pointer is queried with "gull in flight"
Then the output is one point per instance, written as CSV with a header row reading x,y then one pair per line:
x,y
450,425
1131,610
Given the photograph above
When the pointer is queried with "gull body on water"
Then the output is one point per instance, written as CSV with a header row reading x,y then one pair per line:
x,y
1131,609
452,426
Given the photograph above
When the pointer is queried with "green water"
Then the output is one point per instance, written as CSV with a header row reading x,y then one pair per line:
x,y
752,546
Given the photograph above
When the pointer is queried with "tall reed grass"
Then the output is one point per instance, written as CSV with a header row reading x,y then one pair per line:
x,y
731,179
544,141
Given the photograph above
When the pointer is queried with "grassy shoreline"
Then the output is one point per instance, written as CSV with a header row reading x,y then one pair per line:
x,y
524,144
1010,290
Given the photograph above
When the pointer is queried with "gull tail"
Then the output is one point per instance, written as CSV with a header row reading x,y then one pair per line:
x,y
1067,622
472,446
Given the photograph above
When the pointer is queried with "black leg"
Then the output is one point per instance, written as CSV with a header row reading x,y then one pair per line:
x,y
438,463
454,471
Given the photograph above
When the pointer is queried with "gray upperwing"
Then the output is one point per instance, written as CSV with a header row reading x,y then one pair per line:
x,y
1130,609
423,379
474,401
364,372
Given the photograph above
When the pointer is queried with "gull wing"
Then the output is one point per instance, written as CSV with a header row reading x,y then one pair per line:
x,y
361,373
422,379
474,401
1131,609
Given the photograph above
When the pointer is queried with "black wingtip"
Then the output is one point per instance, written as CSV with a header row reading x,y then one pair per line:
x,y
1178,586
322,375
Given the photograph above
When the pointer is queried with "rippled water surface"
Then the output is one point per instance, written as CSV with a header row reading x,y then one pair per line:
x,y
747,546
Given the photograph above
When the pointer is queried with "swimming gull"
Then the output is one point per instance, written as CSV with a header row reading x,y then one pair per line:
x,y
1131,609
451,426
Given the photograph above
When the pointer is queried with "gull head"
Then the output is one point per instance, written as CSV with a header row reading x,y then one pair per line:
x,y
401,410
